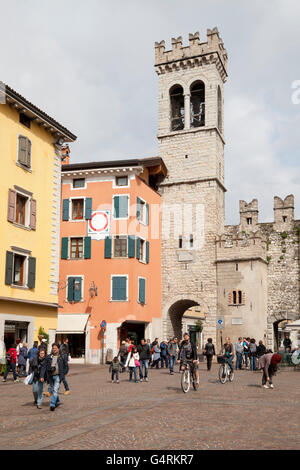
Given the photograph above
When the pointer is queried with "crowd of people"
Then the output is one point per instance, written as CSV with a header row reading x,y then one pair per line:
x,y
38,368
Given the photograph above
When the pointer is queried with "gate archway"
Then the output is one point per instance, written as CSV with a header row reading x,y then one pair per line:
x,y
175,314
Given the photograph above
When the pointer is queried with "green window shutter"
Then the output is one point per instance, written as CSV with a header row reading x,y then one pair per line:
x,y
88,208
147,251
142,291
107,247
138,208
9,268
31,272
28,153
78,293
116,207
138,248
147,214
71,289
131,246
123,206
66,204
22,155
119,288
64,248
87,247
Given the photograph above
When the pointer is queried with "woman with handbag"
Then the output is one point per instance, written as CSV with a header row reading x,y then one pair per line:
x,y
132,362
38,367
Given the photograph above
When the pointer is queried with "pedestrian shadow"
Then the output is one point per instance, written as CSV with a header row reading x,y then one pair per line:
x,y
175,389
254,385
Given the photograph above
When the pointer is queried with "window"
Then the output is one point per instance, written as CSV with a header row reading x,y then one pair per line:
x,y
191,241
79,183
74,289
21,209
121,207
177,108
236,297
24,152
20,269
197,104
120,247
119,288
180,242
249,220
142,290
77,209
284,218
122,181
76,248
25,120
219,109
142,211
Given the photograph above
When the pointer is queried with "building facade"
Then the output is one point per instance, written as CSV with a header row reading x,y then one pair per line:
x,y
110,268
30,144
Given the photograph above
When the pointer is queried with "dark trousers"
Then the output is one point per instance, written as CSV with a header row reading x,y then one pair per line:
x,y
155,364
123,361
264,378
12,367
114,373
22,371
239,360
164,360
66,385
209,361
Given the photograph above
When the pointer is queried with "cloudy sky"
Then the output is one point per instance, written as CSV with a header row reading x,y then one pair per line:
x,y
90,66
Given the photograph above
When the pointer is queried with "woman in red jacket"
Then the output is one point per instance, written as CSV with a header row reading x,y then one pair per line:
x,y
11,359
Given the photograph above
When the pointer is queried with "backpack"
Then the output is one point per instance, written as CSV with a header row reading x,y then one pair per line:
x,y
8,356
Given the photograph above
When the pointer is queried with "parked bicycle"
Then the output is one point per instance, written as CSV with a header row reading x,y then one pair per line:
x,y
225,373
188,377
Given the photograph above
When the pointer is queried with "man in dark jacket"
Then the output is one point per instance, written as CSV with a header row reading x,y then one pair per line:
x,y
188,353
64,351
144,353
56,367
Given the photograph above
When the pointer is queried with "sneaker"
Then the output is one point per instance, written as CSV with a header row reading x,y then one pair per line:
x,y
112,381
17,380
141,380
39,407
4,380
136,381
265,386
146,379
52,408
67,392
271,386
118,382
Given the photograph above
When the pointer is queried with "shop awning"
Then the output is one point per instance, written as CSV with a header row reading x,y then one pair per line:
x,y
72,324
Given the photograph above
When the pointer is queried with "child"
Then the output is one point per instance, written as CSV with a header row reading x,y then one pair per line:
x,y
114,368
133,363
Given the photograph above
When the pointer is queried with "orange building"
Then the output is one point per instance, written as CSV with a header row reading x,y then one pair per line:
x,y
110,267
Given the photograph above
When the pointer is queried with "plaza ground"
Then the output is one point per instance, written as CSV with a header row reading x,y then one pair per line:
x,y
155,415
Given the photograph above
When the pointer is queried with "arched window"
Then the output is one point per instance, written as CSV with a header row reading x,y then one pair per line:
x,y
219,109
177,108
198,104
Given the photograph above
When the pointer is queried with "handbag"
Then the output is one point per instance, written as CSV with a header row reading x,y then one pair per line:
x,y
136,363
29,379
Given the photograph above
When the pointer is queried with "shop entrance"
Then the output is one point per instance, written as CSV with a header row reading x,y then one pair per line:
x,y
14,330
135,331
76,344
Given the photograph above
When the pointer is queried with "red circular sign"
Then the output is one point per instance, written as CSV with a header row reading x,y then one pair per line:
x,y
99,222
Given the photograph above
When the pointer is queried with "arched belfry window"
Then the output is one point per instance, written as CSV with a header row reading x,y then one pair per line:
x,y
177,108
198,104
219,109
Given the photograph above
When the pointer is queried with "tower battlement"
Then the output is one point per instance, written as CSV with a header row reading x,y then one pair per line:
x,y
195,54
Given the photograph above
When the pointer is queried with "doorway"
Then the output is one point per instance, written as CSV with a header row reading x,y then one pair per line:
x,y
134,331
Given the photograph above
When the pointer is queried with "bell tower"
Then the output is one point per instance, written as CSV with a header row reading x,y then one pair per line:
x,y
191,143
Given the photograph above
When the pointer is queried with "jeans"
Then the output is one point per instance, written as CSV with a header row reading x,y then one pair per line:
x,y
55,390
22,371
145,363
239,360
123,361
64,381
37,389
229,361
155,364
132,370
115,373
246,359
209,361
12,367
172,362
252,363
164,359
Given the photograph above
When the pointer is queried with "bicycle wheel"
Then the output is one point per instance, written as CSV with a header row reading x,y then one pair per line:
x,y
185,381
222,374
231,375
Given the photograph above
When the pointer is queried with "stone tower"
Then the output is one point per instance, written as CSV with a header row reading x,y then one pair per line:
x,y
191,143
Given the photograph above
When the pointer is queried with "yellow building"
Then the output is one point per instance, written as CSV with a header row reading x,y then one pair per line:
x,y
30,149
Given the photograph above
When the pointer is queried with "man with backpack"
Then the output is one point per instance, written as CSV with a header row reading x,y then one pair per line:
x,y
144,356
11,360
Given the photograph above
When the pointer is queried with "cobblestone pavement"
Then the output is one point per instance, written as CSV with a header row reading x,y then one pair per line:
x,y
155,415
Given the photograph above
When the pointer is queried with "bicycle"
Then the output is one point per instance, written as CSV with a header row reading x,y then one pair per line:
x,y
187,376
225,373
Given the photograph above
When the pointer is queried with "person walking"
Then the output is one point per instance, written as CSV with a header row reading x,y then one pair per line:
x,y
150,347
209,352
32,353
269,364
156,356
287,343
246,351
2,356
132,362
173,352
164,354
261,349
123,355
114,368
144,356
56,367
239,350
43,345
38,366
64,351
23,354
11,360
252,354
